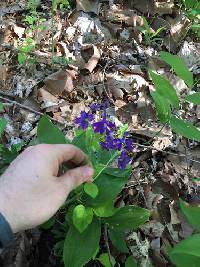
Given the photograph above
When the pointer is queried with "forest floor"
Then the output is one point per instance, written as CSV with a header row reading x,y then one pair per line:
x,y
102,51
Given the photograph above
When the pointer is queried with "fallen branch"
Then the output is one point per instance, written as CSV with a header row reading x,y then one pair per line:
x,y
32,110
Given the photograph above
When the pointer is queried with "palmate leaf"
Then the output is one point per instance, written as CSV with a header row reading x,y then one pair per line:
x,y
185,128
48,133
128,218
179,67
187,252
79,248
192,214
165,89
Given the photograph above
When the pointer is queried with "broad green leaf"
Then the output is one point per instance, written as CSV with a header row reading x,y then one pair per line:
x,y
187,252
109,186
80,248
191,213
185,128
162,107
104,259
130,262
82,217
91,189
165,89
128,218
118,240
106,209
1,107
189,4
179,67
2,125
48,133
194,98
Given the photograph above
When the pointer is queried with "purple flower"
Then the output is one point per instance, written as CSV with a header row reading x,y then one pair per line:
x,y
83,120
111,143
104,125
94,107
129,144
99,106
123,160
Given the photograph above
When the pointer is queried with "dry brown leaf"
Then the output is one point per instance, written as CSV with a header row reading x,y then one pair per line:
x,y
151,7
93,60
3,73
42,31
115,86
47,98
179,27
19,31
88,6
60,81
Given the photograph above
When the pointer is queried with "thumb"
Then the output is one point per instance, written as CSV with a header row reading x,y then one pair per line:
x,y
74,177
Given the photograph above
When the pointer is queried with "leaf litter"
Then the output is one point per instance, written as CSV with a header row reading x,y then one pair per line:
x,y
107,57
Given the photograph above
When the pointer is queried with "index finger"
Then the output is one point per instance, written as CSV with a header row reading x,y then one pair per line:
x,y
65,153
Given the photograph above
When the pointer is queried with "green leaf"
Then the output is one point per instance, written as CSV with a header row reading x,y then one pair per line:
x,y
106,209
118,240
80,248
130,262
185,128
191,213
194,98
82,217
1,107
109,186
162,107
48,133
91,189
128,218
165,89
179,67
187,252
2,125
104,259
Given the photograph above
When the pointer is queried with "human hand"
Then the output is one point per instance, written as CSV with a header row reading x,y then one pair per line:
x,y
30,189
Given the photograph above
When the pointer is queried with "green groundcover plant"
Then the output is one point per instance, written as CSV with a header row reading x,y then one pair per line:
x,y
90,208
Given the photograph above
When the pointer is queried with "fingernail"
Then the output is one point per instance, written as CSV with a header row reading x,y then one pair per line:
x,y
88,171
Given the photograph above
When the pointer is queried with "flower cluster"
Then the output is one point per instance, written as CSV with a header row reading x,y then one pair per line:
x,y
105,127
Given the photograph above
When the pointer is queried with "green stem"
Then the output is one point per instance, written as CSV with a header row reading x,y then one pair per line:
x,y
105,166
52,40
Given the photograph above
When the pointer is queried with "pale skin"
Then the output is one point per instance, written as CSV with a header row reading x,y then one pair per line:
x,y
31,191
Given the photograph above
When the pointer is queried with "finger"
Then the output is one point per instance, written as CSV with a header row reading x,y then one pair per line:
x,y
74,177
65,153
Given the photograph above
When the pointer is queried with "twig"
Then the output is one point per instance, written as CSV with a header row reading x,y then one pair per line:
x,y
31,110
167,152
107,244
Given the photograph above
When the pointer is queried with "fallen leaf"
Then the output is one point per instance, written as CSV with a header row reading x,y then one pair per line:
x,y
93,60
60,81
88,6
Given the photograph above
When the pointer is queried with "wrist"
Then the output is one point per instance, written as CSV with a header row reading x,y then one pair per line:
x,y
7,214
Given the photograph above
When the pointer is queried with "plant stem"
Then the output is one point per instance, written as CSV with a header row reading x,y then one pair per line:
x,y
107,244
105,166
